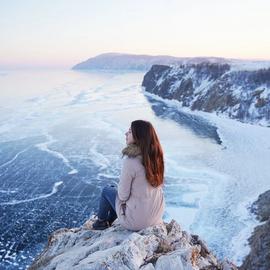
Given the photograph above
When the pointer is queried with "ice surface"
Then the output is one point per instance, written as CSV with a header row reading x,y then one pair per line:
x,y
42,196
60,144
242,173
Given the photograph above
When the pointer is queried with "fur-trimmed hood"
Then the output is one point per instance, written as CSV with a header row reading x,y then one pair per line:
x,y
131,150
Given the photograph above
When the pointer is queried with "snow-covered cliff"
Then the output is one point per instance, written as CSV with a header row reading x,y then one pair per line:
x,y
122,61
214,87
162,247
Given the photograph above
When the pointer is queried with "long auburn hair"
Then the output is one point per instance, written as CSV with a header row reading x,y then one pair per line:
x,y
146,138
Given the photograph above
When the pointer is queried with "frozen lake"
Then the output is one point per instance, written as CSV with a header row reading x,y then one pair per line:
x,y
61,136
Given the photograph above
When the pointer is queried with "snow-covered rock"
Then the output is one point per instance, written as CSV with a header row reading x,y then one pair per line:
x,y
161,247
214,87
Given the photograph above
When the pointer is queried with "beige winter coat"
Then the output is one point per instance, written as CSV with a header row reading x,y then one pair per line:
x,y
138,204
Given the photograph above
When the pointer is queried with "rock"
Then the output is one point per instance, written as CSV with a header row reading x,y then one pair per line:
x,y
214,87
149,266
259,256
163,246
262,206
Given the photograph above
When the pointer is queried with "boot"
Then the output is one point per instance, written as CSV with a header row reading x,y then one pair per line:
x,y
101,224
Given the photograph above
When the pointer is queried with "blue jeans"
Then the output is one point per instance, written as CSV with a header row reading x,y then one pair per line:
x,y
107,204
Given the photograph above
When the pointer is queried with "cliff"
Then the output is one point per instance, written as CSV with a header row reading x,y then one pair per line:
x,y
259,256
214,87
161,247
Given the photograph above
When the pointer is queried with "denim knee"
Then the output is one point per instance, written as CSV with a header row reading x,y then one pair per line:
x,y
107,190
104,191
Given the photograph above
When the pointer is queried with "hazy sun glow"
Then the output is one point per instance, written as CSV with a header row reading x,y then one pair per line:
x,y
65,32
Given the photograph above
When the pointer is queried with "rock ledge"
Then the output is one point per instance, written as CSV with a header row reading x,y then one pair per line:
x,y
162,247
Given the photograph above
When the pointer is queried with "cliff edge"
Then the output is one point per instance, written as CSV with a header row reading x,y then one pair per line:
x,y
165,246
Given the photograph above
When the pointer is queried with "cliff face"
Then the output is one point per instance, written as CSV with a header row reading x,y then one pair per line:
x,y
213,87
161,247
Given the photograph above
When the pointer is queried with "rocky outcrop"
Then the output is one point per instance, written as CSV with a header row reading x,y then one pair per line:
x,y
162,247
259,256
213,87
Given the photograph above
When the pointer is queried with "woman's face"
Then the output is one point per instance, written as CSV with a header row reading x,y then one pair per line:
x,y
129,137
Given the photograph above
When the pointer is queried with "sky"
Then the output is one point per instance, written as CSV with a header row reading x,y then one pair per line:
x,y
62,33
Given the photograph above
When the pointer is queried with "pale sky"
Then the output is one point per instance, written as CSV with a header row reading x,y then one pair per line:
x,y
61,33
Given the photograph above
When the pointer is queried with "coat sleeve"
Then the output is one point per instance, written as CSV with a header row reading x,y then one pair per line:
x,y
126,177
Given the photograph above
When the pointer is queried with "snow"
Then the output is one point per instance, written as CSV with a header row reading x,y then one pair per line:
x,y
203,87
160,81
175,86
266,92
39,197
237,65
45,147
247,160
237,92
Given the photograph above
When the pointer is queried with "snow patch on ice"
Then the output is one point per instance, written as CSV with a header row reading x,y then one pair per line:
x,y
44,147
42,196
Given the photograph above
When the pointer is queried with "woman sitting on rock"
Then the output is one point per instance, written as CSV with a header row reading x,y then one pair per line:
x,y
138,201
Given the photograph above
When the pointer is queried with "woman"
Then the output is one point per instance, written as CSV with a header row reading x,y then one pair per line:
x,y
138,201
